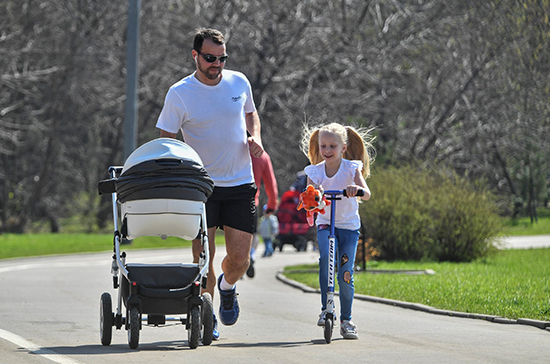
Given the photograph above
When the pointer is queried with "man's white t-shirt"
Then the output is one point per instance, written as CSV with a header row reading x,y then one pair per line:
x,y
347,209
212,121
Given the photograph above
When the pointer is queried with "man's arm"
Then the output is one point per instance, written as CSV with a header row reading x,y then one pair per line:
x,y
165,134
254,128
270,183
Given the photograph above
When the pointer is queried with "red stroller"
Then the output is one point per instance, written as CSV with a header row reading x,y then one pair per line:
x,y
293,226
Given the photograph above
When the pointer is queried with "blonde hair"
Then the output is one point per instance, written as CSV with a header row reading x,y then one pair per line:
x,y
358,142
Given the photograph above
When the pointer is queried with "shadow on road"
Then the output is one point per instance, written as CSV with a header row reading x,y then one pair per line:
x,y
171,346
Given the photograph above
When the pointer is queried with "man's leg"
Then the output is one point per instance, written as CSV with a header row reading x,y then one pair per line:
x,y
197,249
211,276
237,217
234,265
250,272
237,246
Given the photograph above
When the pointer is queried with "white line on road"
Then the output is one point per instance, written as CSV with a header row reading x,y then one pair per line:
x,y
14,268
35,349
99,261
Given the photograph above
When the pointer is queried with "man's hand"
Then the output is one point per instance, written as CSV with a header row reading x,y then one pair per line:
x,y
256,149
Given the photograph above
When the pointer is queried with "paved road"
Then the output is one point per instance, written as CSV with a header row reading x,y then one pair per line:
x,y
526,242
49,310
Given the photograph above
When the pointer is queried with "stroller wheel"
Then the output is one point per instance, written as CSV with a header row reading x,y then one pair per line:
x,y
133,327
193,333
207,319
106,319
329,322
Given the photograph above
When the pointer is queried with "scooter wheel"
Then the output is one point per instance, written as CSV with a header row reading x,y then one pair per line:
x,y
329,324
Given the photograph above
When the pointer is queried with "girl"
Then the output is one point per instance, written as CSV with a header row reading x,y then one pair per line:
x,y
340,160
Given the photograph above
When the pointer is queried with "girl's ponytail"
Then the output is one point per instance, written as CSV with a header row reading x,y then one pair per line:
x,y
359,147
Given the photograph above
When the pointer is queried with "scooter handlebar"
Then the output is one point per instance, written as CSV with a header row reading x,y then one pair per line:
x,y
360,193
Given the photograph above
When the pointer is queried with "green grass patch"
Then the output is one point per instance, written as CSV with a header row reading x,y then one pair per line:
x,y
523,226
512,284
27,245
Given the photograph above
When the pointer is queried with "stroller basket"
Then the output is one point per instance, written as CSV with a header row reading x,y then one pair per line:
x,y
162,288
162,280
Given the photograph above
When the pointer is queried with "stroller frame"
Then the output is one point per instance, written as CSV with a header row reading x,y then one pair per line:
x,y
137,285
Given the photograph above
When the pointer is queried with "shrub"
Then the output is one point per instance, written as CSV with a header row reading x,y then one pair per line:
x,y
418,214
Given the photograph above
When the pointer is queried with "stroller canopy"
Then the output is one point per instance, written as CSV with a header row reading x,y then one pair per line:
x,y
164,168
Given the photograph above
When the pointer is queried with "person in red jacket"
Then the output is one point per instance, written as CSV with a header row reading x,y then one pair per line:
x,y
263,174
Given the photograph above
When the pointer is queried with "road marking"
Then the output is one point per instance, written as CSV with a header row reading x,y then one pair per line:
x,y
14,268
72,264
35,349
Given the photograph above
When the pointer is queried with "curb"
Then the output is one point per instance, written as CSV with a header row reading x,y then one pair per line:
x,y
544,325
374,271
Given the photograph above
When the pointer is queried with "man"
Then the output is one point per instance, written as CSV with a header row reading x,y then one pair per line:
x,y
263,173
214,109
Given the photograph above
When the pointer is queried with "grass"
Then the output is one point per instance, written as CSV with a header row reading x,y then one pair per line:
x,y
512,284
524,226
26,245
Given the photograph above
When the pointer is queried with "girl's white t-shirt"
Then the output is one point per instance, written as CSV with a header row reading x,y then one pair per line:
x,y
347,209
212,121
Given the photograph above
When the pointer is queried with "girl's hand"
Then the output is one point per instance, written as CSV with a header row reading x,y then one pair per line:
x,y
320,189
351,190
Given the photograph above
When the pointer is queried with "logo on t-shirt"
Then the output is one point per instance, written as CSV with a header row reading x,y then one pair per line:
x,y
236,98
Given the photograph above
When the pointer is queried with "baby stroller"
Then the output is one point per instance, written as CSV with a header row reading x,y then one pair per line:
x,y
162,189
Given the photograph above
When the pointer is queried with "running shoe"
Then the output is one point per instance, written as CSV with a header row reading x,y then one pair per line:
x,y
215,333
250,271
348,330
229,305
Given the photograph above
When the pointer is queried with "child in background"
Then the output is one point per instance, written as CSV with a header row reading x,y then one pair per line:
x,y
269,228
340,160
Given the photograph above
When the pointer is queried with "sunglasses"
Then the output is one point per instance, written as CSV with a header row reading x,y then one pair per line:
x,y
211,58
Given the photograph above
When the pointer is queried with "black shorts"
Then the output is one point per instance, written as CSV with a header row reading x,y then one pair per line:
x,y
232,206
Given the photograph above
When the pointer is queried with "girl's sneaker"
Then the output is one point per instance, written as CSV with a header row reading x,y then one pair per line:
x,y
321,321
348,330
322,315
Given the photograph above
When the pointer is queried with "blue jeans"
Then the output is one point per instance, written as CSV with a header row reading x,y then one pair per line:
x,y
346,247
268,246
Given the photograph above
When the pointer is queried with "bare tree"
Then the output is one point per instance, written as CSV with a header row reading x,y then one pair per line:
x,y
462,84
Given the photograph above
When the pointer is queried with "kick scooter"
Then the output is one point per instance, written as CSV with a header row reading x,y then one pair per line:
x,y
333,196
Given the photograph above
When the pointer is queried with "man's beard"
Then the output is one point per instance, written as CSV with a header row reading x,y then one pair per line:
x,y
208,74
